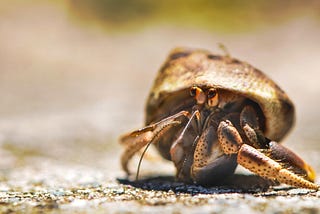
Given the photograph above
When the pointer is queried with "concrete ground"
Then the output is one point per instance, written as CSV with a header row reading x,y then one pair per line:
x,y
68,92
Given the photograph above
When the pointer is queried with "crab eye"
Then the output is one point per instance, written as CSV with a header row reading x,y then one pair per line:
x,y
193,91
212,93
198,94
212,97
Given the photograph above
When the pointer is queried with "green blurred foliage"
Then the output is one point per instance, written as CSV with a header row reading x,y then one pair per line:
x,y
221,15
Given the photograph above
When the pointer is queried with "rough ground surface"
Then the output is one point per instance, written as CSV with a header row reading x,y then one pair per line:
x,y
68,92
82,190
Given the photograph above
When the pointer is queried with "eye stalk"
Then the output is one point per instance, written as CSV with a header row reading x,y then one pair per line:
x,y
213,99
198,93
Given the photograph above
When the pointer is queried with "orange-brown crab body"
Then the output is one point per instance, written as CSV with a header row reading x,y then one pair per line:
x,y
207,113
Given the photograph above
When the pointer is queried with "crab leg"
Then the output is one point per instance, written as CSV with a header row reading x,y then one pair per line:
x,y
181,150
262,163
210,164
136,140
264,166
176,150
250,125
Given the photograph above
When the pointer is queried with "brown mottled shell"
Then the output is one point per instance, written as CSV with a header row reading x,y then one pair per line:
x,y
188,67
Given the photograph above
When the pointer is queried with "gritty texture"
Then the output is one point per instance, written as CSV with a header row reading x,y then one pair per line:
x,y
153,195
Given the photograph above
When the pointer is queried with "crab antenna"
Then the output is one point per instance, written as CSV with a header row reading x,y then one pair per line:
x,y
141,157
224,49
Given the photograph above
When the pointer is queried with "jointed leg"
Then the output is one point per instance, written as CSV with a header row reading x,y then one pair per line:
x,y
229,138
177,148
264,166
211,164
136,140
264,163
182,149
250,125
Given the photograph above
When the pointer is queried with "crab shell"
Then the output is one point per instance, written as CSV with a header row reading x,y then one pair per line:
x,y
185,68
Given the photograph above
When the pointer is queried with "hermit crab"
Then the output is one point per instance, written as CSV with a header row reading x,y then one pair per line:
x,y
208,113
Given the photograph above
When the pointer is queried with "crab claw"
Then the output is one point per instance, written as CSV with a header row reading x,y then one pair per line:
x,y
274,162
291,160
285,169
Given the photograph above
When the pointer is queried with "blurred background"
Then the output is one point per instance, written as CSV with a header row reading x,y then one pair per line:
x,y
75,74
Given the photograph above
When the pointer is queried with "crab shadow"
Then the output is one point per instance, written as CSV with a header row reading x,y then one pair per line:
x,y
234,184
